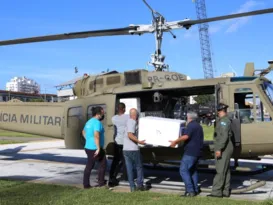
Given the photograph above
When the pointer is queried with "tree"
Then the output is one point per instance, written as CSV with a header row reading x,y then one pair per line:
x,y
204,99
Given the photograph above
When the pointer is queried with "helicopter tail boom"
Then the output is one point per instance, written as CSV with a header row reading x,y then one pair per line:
x,y
45,119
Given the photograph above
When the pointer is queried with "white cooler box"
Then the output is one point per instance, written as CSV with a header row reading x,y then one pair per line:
x,y
159,131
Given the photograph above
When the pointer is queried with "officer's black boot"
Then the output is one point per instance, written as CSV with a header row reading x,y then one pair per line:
x,y
187,194
227,195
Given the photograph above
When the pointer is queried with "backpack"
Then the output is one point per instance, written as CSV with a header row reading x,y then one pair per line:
x,y
236,131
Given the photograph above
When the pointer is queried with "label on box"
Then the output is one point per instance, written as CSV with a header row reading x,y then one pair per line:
x,y
159,131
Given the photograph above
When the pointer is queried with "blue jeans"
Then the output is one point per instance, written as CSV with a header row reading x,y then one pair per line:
x,y
133,158
188,172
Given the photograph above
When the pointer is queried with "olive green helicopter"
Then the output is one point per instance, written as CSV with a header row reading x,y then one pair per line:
x,y
157,93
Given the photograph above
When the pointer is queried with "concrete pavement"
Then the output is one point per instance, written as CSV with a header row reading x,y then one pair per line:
x,y
50,162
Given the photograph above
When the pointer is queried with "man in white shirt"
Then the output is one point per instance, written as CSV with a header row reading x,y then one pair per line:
x,y
131,152
119,121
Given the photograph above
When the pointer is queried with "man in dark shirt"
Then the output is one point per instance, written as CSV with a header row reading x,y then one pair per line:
x,y
193,137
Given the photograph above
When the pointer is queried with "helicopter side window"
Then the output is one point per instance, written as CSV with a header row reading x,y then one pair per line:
x,y
89,112
245,99
268,89
74,115
241,98
259,112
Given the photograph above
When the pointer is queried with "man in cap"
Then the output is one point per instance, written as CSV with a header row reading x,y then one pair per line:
x,y
223,148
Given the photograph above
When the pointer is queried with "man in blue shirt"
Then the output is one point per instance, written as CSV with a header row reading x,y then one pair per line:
x,y
193,137
94,134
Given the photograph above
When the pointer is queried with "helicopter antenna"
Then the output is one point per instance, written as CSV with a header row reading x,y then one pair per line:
x,y
233,70
153,11
157,59
76,69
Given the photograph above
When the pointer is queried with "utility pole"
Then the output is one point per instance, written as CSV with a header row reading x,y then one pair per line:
x,y
45,95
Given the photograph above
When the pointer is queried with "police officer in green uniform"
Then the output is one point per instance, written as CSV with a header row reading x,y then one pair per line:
x,y
223,148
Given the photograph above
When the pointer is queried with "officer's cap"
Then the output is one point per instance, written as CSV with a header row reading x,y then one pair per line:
x,y
221,106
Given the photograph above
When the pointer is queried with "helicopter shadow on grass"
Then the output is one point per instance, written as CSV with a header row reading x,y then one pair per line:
x,y
20,177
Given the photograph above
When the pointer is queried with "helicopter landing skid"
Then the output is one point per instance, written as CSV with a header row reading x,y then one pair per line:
x,y
175,187
210,169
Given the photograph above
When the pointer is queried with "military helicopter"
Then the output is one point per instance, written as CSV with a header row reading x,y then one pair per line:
x,y
157,93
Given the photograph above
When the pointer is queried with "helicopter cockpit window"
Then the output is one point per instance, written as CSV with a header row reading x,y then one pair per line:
x,y
268,88
246,99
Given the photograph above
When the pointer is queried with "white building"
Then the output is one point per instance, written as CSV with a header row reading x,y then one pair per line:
x,y
23,84
225,75
230,74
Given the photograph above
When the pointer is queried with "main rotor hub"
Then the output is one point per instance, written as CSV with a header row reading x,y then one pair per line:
x,y
157,60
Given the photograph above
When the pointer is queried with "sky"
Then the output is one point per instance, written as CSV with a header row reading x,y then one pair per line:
x,y
233,42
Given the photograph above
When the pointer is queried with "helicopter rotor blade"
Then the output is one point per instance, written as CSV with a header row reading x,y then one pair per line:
x,y
132,29
74,35
220,18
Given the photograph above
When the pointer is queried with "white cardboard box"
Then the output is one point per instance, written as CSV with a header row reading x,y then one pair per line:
x,y
131,103
158,131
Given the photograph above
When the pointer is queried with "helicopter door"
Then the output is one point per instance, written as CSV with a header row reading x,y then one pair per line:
x,y
256,131
225,95
74,125
108,103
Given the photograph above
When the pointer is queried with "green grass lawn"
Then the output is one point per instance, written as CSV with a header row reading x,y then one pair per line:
x,y
6,133
15,137
16,192
10,142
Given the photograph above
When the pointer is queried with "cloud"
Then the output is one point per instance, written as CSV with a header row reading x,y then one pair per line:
x,y
58,75
231,25
246,7
191,33
214,29
7,72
